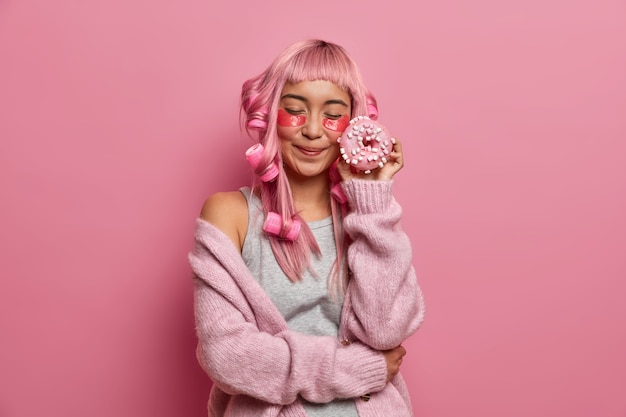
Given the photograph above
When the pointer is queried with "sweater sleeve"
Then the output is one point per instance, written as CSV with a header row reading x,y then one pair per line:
x,y
385,302
245,353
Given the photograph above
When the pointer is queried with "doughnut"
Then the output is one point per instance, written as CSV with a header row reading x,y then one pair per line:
x,y
365,144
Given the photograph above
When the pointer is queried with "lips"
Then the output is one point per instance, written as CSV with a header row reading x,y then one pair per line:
x,y
311,151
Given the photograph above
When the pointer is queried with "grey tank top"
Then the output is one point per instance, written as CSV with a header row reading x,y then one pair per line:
x,y
307,305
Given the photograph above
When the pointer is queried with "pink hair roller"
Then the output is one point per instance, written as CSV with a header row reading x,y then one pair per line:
x,y
274,225
270,173
257,124
257,121
372,111
254,155
294,230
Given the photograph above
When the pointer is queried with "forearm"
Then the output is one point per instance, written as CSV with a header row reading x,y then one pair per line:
x,y
279,368
385,302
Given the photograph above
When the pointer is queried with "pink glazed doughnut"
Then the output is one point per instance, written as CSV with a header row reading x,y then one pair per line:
x,y
365,144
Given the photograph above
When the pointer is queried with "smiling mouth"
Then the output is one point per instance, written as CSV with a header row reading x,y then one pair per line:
x,y
310,151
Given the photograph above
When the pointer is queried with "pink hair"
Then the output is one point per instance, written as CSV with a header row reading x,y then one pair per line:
x,y
307,60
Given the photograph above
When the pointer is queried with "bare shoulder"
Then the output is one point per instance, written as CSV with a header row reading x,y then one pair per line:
x,y
228,211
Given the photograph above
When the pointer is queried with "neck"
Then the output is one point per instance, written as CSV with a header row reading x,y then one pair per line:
x,y
311,196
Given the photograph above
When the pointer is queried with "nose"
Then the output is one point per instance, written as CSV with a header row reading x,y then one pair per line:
x,y
313,128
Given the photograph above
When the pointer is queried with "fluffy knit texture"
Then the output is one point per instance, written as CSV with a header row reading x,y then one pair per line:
x,y
261,368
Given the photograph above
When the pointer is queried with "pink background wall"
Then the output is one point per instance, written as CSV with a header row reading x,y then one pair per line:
x,y
513,119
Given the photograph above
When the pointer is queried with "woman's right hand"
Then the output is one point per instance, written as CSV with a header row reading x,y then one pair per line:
x,y
386,173
394,360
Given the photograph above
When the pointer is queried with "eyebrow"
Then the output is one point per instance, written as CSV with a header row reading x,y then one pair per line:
x,y
304,99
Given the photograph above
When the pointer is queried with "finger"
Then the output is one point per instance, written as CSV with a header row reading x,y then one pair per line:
x,y
344,170
402,352
397,146
397,153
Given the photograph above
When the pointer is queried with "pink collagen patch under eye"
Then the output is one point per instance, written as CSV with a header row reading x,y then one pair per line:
x,y
337,125
290,120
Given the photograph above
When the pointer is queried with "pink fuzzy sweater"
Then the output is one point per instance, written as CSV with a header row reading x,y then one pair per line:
x,y
261,368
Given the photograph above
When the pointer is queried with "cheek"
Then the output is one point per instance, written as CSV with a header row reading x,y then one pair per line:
x,y
338,125
289,120
285,133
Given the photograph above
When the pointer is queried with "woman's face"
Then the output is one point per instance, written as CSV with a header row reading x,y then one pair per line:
x,y
311,117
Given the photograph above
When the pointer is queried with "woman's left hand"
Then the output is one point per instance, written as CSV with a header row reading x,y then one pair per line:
x,y
395,162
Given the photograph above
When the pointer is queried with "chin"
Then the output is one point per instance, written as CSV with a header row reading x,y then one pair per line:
x,y
310,172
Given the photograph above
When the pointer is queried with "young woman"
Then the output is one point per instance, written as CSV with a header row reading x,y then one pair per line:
x,y
304,288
